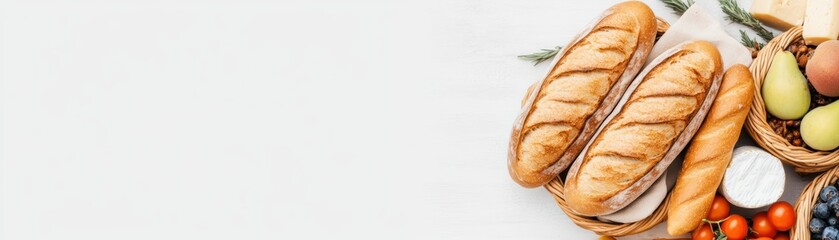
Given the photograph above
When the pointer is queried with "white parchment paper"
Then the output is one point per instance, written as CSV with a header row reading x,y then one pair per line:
x,y
697,24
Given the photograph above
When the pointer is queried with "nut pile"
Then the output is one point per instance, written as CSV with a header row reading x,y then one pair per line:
x,y
789,129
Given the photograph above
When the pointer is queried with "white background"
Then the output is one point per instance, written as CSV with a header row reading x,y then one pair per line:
x,y
273,119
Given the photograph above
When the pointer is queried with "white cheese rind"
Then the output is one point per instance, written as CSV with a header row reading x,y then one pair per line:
x,y
821,21
642,207
753,179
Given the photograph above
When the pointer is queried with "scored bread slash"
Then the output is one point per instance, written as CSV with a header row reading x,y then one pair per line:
x,y
565,108
654,120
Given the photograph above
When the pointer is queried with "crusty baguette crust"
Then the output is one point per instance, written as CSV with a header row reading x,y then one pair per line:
x,y
562,112
662,111
710,152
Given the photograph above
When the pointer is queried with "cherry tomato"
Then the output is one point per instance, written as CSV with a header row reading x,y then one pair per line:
x,y
781,236
704,232
761,225
764,238
735,227
782,215
719,209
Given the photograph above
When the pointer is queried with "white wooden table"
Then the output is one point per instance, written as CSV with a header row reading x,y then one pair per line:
x,y
274,119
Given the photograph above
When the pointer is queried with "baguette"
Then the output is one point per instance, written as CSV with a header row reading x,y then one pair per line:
x,y
563,110
710,152
661,111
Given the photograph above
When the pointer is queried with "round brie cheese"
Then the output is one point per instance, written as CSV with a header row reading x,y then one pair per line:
x,y
753,179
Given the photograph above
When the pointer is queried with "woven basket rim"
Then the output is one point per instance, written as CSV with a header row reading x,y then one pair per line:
x,y
556,188
803,159
808,198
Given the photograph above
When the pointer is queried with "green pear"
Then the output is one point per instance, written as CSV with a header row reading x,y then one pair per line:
x,y
820,127
785,89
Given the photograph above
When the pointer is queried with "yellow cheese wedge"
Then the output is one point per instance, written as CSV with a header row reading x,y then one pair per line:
x,y
821,21
779,14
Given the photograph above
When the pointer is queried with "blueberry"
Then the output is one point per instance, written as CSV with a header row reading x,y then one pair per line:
x,y
833,221
828,192
816,225
821,210
830,233
815,236
833,204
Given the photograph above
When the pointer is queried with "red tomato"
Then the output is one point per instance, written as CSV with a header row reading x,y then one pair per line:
x,y
719,209
782,236
761,225
782,215
735,227
704,232
764,238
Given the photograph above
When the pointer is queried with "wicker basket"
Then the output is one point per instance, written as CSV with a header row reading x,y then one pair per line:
x,y
557,189
804,160
804,205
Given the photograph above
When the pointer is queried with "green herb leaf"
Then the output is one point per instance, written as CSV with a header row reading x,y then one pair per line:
x,y
737,14
678,6
541,56
749,42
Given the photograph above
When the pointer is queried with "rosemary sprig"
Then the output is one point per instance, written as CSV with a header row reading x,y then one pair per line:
x,y
749,42
678,6
541,56
739,15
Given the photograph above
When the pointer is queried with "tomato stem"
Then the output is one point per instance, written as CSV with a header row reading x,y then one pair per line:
x,y
718,233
